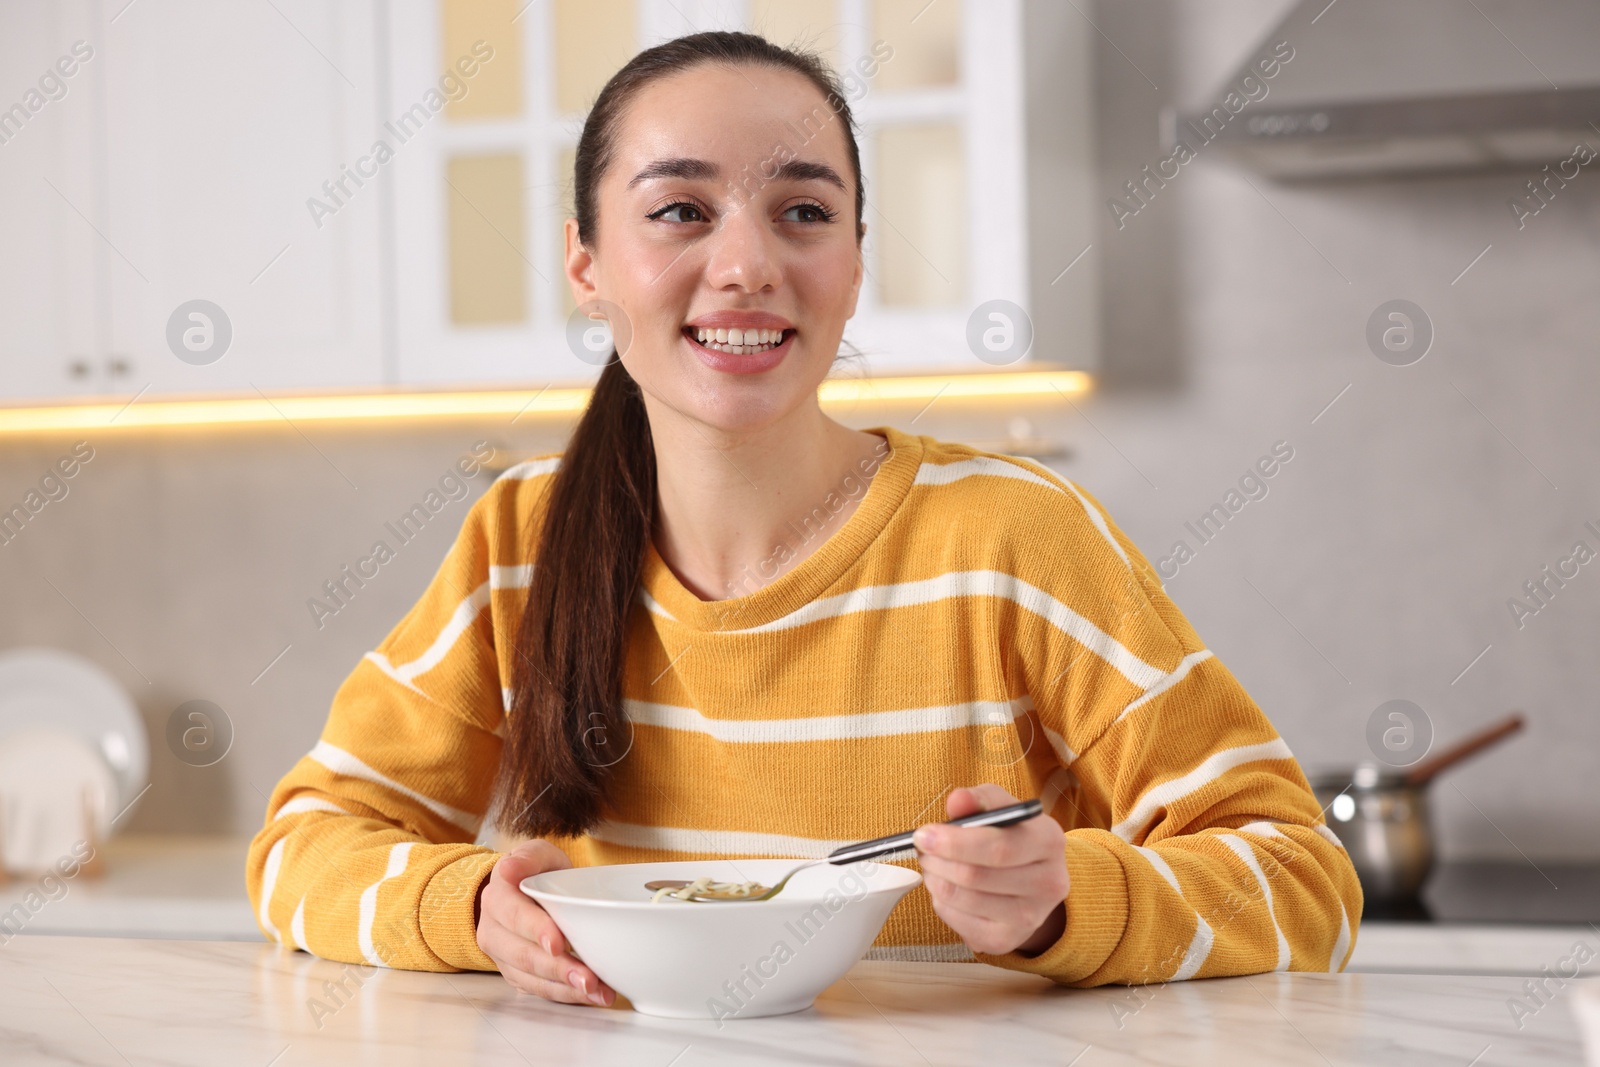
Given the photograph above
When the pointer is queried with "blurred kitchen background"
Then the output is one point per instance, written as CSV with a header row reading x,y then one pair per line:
x,y
1191,314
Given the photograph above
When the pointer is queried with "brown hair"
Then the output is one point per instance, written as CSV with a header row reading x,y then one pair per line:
x,y
565,728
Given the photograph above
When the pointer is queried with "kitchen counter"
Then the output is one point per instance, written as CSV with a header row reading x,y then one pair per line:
x,y
154,885
131,1001
1477,918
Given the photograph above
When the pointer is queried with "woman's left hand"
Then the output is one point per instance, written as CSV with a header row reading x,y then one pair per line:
x,y
1002,888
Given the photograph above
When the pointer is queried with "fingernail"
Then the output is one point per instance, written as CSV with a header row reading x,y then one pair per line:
x,y
925,839
544,943
598,997
578,980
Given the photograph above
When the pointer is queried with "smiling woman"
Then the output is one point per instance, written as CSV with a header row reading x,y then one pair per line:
x,y
594,665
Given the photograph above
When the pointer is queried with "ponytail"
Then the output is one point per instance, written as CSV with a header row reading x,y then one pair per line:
x,y
568,730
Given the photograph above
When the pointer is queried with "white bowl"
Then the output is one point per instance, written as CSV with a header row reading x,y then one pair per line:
x,y
720,961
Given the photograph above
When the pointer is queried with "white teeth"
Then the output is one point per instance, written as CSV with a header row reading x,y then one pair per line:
x,y
739,342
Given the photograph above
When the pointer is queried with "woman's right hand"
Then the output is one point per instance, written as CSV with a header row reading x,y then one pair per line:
x,y
524,941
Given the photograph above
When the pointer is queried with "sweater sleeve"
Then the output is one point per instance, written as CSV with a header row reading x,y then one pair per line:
x,y
367,855
1195,846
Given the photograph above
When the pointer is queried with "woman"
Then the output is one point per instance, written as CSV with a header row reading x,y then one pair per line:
x,y
722,624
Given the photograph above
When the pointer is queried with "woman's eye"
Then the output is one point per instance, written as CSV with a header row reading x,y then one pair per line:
x,y
679,212
808,213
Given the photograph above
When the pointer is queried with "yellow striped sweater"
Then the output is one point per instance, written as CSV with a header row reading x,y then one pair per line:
x,y
978,618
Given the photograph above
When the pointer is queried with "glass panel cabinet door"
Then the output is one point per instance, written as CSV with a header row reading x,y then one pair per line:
x,y
476,257
482,191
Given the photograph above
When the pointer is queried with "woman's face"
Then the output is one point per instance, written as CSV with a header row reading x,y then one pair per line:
x,y
728,205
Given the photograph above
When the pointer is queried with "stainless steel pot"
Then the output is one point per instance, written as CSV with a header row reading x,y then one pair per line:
x,y
1385,826
1381,815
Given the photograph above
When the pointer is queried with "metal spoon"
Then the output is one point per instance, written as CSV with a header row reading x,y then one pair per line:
x,y
866,850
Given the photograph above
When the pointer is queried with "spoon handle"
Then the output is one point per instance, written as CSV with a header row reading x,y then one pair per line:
x,y
882,846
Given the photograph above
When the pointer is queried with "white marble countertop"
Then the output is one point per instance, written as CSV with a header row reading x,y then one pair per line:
x,y
121,1001
154,885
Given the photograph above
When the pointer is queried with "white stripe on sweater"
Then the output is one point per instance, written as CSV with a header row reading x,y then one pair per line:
x,y
1022,469
297,926
1341,945
1099,521
945,473
398,856
1272,830
532,468
1063,750
1163,868
717,842
269,882
1179,673
829,727
511,576
654,606
974,583
1093,512
344,763
1211,768
1243,849
514,576
300,804
462,617
1199,950
1194,957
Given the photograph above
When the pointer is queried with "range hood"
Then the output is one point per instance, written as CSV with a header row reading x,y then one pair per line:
x,y
1385,87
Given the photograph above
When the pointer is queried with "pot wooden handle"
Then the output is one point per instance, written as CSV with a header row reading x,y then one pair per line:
x,y
1424,772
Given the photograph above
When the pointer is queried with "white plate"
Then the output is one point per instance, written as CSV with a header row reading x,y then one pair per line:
x,y
49,688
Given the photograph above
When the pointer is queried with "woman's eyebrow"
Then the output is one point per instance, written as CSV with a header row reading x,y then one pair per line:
x,y
685,168
676,167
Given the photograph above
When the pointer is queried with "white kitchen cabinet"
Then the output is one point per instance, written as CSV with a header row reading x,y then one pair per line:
x,y
223,122
366,215
178,167
54,340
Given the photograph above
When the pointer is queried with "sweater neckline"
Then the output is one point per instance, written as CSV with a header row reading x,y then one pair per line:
x,y
813,575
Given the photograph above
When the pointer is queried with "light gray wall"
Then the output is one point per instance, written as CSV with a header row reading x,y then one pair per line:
x,y
1377,567
1383,557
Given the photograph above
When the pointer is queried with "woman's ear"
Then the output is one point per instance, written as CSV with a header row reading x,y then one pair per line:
x,y
860,273
579,266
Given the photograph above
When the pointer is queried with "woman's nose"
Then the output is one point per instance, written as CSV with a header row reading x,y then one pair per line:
x,y
744,253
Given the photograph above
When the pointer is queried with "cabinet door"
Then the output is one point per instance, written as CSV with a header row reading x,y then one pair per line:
x,y
231,139
53,340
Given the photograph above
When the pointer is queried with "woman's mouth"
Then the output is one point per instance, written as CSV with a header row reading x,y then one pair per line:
x,y
739,351
737,342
